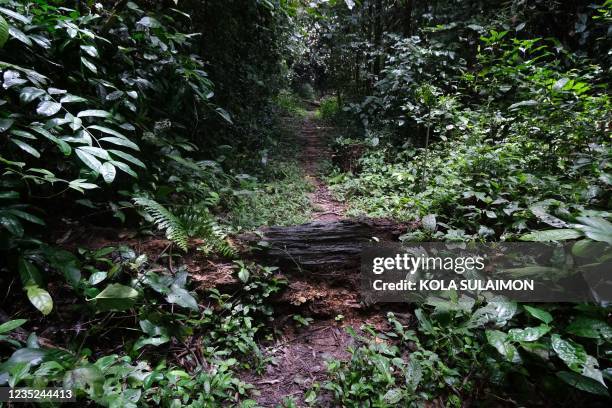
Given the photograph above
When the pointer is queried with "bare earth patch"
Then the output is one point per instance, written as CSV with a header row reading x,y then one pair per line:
x,y
314,151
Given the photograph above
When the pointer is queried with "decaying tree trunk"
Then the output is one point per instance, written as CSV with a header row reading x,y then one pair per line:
x,y
320,245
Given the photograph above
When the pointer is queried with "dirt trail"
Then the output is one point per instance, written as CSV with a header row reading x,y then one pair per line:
x,y
315,151
298,355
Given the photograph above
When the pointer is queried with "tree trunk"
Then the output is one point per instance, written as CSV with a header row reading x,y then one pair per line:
x,y
378,28
407,26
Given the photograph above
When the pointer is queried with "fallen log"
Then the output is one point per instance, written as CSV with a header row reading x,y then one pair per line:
x,y
320,245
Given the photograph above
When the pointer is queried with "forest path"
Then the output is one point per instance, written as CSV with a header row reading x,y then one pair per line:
x,y
322,297
315,152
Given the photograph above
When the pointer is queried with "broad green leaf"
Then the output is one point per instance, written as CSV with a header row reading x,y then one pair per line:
x,y
5,124
539,314
113,96
4,32
30,93
40,298
90,50
528,333
108,172
89,160
160,284
23,134
499,340
97,277
423,320
583,383
521,104
89,65
151,341
94,113
56,91
596,228
224,114
149,22
120,141
128,157
19,35
12,78
571,353
48,108
29,273
502,308
310,396
551,235
116,297
243,275
124,167
590,328
393,396
429,222
96,151
591,370
107,130
26,216
42,41
62,145
72,99
11,325
32,356
558,86
181,297
585,248
26,148
80,185
12,224
78,123
15,15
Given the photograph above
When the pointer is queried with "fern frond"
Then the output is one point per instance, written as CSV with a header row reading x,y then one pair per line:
x,y
165,220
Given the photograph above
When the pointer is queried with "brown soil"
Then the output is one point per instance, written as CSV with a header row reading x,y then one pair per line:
x,y
298,359
315,150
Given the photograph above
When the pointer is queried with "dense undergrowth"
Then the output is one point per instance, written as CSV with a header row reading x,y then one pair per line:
x,y
110,120
484,124
484,121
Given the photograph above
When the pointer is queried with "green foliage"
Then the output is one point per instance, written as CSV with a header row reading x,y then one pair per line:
x,y
283,200
487,122
165,220
291,104
461,345
478,120
492,166
89,94
167,313
329,108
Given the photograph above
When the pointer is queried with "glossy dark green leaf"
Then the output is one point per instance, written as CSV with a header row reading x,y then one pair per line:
x,y
116,297
583,383
11,325
539,314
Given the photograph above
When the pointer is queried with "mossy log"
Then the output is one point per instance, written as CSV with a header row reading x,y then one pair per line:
x,y
320,245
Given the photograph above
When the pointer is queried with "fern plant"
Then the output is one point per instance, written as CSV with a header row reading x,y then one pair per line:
x,y
200,222
165,220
